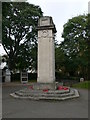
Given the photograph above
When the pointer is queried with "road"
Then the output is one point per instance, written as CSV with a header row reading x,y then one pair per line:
x,y
0,100
19,108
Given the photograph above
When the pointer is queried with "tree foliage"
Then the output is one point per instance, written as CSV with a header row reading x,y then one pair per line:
x,y
59,58
19,34
75,45
88,27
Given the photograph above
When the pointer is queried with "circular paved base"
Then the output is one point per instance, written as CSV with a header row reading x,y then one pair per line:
x,y
29,93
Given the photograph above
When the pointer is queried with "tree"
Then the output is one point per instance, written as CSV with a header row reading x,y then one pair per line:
x,y
75,44
0,21
59,58
88,28
19,34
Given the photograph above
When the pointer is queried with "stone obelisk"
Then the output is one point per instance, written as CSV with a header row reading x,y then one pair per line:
x,y
46,51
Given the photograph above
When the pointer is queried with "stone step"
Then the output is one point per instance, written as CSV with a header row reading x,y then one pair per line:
x,y
28,91
41,94
49,95
75,95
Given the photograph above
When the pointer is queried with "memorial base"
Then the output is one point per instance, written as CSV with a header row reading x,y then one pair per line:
x,y
49,86
39,91
40,86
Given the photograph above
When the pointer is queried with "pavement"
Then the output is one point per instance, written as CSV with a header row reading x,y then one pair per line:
x,y
0,100
21,108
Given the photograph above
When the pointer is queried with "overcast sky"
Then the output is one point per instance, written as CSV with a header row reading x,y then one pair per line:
x,y
60,11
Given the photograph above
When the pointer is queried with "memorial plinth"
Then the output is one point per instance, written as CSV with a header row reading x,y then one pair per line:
x,y
46,52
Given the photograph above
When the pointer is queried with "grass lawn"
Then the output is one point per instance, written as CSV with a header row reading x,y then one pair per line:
x,y
85,85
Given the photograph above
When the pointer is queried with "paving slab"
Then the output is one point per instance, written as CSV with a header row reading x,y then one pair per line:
x,y
18,108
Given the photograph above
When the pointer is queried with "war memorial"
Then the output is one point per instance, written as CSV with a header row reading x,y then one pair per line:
x,y
46,87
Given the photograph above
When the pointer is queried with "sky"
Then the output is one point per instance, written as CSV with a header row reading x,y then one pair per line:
x,y
60,11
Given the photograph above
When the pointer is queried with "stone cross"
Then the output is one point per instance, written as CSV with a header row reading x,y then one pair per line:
x,y
46,52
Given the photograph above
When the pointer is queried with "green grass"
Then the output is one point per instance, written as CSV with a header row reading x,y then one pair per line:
x,y
84,85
